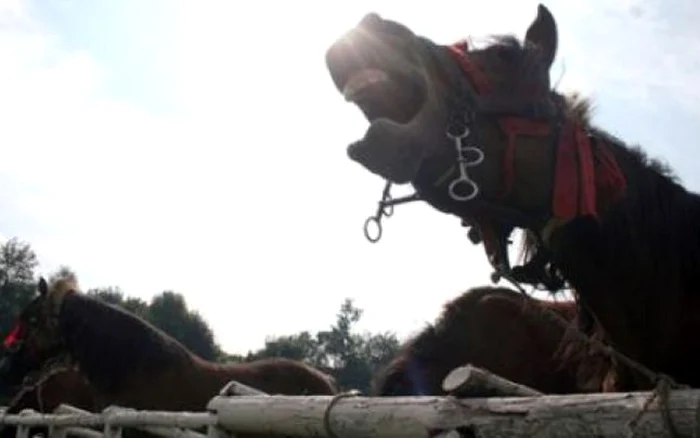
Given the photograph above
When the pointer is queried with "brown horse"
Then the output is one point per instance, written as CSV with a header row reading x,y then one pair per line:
x,y
480,134
131,363
502,331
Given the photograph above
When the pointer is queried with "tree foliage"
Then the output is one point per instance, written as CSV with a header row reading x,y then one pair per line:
x,y
352,358
169,312
17,262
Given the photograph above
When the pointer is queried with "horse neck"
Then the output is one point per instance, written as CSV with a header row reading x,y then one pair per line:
x,y
638,263
114,348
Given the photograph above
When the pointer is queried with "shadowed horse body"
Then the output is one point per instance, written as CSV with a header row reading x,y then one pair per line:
x,y
614,224
131,363
502,331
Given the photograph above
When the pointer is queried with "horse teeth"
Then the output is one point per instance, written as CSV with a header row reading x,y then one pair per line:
x,y
361,80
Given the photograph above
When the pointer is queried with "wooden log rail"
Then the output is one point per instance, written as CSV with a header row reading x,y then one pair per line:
x,y
599,415
241,409
72,421
167,432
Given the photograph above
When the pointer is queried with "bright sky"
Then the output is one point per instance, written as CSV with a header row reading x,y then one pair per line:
x,y
199,146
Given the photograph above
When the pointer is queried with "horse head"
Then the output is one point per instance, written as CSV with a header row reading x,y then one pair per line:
x,y
478,132
36,339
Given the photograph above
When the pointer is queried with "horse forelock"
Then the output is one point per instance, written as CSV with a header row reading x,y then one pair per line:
x,y
526,59
58,290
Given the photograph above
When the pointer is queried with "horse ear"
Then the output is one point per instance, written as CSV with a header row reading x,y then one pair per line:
x,y
43,287
543,33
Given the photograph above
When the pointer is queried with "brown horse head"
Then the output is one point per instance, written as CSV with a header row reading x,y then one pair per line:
x,y
36,339
474,130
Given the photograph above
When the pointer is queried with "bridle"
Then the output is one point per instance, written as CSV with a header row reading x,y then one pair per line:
x,y
573,192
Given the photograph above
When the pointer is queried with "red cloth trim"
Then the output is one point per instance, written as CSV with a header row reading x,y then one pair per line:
x,y
479,80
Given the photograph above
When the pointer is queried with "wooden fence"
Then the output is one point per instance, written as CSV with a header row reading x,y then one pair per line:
x,y
523,413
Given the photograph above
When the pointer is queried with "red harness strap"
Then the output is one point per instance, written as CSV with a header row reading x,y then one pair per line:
x,y
578,182
13,336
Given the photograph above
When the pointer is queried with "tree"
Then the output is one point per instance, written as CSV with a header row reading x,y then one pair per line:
x,y
17,261
301,346
339,343
344,349
17,288
350,357
169,312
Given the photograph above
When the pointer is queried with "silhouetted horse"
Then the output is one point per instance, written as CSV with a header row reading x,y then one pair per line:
x,y
131,363
617,225
502,331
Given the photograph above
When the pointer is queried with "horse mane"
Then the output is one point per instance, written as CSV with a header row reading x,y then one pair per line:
x,y
112,344
64,285
59,287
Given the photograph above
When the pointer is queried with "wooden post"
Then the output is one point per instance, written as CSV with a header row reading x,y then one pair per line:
x,y
470,381
600,415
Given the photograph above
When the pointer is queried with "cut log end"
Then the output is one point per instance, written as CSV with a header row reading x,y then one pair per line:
x,y
457,378
470,381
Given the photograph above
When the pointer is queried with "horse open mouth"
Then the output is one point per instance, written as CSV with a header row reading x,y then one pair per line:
x,y
390,100
383,95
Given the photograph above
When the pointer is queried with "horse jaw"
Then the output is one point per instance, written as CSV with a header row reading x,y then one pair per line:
x,y
394,150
